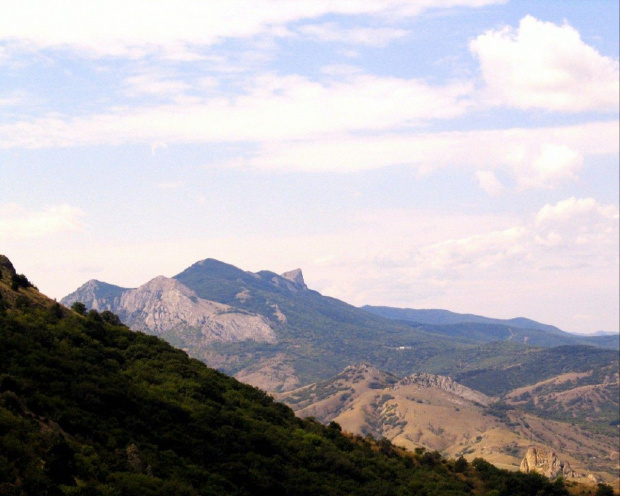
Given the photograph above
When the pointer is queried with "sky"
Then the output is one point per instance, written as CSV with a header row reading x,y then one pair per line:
x,y
456,154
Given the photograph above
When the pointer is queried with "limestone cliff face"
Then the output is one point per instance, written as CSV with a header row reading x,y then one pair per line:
x,y
446,384
164,306
97,295
545,462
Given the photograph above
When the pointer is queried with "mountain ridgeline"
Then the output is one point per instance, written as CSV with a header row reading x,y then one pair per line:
x,y
89,407
286,335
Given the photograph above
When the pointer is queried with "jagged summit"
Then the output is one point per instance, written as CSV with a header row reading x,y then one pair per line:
x,y
295,276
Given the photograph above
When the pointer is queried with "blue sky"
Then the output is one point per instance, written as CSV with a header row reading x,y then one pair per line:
x,y
458,154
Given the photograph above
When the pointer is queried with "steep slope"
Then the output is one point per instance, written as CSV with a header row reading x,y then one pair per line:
x,y
437,413
90,408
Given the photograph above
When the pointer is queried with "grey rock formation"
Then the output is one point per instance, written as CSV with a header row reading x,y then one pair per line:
x,y
97,295
166,307
447,384
162,305
296,277
547,463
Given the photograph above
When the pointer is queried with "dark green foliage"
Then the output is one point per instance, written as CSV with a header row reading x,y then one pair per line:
x,y
20,281
90,408
111,318
79,307
460,465
604,490
515,483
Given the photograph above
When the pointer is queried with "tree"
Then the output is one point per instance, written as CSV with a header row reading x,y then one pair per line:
x,y
460,465
604,490
79,307
20,281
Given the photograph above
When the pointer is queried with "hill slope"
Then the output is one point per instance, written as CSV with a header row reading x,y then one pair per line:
x,y
437,413
91,408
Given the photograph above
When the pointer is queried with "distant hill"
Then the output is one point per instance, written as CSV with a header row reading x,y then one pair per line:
x,y
490,329
280,334
442,317
89,407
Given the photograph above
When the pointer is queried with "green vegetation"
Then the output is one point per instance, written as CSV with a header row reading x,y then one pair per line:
x,y
88,407
537,364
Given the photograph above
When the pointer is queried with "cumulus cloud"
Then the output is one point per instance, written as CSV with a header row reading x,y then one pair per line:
x,y
555,163
543,65
170,27
578,225
19,223
572,231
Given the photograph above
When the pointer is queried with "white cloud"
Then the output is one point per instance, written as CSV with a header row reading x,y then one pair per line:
x,y
331,32
18,223
488,264
555,163
534,157
169,27
275,108
489,182
152,84
578,218
542,65
570,232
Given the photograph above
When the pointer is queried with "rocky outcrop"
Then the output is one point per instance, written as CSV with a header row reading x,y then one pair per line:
x,y
163,305
546,462
445,383
166,307
296,277
97,295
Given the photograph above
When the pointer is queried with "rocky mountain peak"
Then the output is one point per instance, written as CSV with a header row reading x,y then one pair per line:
x,y
295,276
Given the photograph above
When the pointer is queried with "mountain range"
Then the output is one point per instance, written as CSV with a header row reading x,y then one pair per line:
x,y
283,334
534,383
